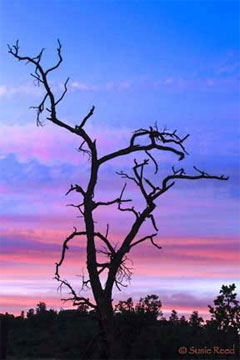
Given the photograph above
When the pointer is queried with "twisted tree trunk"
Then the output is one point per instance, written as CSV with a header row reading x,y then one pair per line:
x,y
110,331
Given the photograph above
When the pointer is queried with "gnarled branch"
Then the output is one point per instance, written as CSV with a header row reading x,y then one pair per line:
x,y
41,75
65,247
77,300
76,188
180,174
119,200
148,237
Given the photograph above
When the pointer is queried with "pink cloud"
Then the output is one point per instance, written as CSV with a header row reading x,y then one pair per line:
x,y
14,304
52,145
184,256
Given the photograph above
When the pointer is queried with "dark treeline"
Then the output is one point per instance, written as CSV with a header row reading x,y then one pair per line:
x,y
144,332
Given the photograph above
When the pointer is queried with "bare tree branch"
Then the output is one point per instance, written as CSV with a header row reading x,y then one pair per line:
x,y
87,117
135,148
59,51
131,209
126,176
76,188
79,207
118,200
106,241
151,217
148,237
77,300
154,161
85,151
65,247
180,174
107,231
40,109
139,176
123,274
64,92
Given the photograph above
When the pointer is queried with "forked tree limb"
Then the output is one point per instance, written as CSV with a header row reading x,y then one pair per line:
x,y
148,237
181,175
77,300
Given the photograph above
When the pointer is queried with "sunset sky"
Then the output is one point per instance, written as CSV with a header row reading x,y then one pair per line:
x,y
139,62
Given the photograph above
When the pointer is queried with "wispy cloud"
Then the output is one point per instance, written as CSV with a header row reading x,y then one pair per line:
x,y
229,67
171,83
226,76
112,85
24,89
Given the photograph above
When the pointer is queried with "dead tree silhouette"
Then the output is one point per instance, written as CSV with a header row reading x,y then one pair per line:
x,y
142,141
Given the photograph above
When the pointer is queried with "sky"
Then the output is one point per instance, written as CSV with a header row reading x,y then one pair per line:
x,y
139,62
